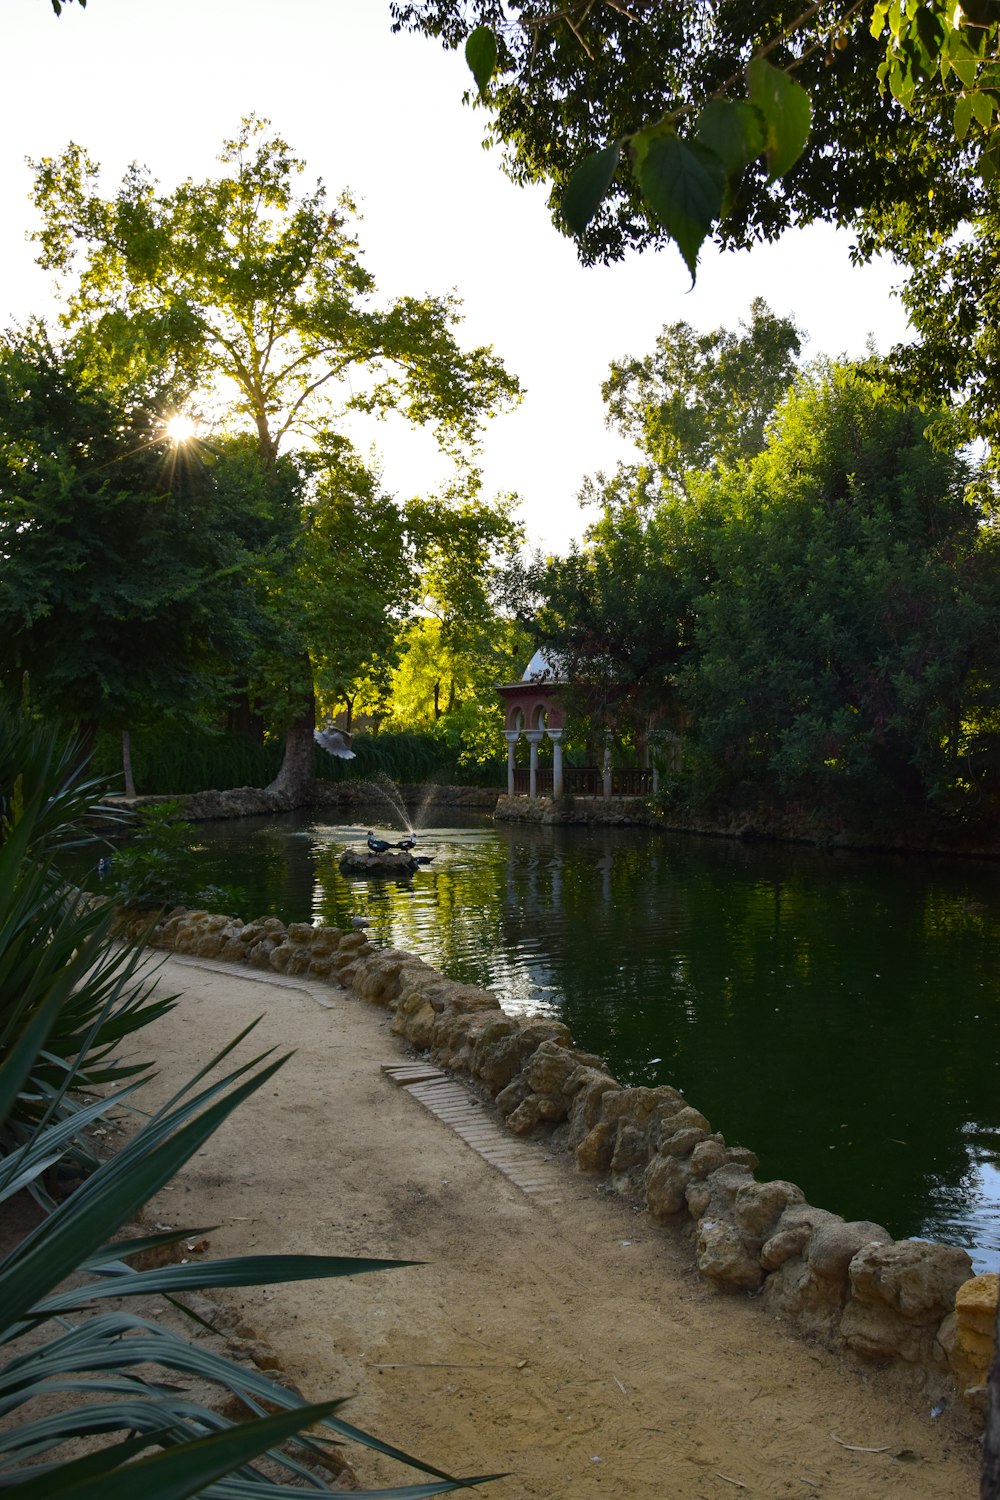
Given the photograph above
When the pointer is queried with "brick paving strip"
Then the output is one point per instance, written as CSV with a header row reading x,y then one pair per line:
x,y
522,1163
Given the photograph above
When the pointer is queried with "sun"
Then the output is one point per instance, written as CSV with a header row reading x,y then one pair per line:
x,y
180,428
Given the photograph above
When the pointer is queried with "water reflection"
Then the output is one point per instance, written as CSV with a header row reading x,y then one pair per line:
x,y
841,1016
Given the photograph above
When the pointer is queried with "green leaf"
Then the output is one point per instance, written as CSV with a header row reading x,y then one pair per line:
x,y
111,1258
983,107
787,114
684,185
116,1190
481,55
732,129
963,116
930,31
180,1471
246,1270
588,185
965,70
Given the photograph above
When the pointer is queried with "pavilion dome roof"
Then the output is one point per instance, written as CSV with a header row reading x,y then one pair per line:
x,y
544,666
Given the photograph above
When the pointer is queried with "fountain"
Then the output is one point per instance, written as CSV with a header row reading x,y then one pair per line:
x,y
383,857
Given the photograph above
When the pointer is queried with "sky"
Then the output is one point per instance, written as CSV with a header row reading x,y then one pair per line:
x,y
164,82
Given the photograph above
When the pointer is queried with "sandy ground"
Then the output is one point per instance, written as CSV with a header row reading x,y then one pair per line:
x,y
571,1345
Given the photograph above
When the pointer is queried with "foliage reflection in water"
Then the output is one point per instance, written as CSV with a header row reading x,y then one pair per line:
x,y
840,1015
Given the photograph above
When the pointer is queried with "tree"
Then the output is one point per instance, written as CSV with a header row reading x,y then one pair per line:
x,y
118,584
658,124
846,649
665,124
703,400
461,640
951,298
334,596
240,279
616,614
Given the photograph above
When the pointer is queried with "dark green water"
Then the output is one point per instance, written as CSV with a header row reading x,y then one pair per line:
x,y
839,1014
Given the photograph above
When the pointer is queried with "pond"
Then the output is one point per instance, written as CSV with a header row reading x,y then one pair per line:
x,y
838,1014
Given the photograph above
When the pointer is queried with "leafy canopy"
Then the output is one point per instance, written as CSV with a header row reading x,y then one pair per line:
x,y
245,285
668,121
703,400
92,494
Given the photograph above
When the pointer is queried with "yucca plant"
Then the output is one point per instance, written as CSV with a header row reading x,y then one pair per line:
x,y
103,1359
55,941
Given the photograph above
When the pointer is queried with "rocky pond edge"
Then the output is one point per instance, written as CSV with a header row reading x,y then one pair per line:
x,y
909,1303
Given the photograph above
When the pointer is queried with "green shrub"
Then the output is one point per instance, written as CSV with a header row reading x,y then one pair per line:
x,y
159,866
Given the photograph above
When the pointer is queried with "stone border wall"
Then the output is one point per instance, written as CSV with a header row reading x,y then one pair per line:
x,y
258,802
905,1302
789,827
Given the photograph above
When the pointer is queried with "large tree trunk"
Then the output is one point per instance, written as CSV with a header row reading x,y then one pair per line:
x,y
295,780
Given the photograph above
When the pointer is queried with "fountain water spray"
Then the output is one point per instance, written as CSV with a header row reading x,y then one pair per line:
x,y
386,789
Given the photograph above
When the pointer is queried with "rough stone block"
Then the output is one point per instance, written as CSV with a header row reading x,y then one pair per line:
x,y
326,941
899,1296
973,1324
682,1142
415,1021
514,1094
631,1147
280,957
511,1051
759,1206
639,1106
595,1151
708,1156
833,1246
667,1179
723,1257
590,1087
497,1029
716,1196
302,932
380,978
551,1066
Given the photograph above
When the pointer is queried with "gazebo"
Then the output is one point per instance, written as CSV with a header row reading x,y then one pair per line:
x,y
533,707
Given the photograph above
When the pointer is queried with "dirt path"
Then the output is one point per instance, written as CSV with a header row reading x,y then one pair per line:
x,y
571,1345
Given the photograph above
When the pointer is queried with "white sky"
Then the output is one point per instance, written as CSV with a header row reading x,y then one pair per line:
x,y
164,82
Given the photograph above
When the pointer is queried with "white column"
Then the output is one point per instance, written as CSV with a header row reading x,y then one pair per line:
x,y
555,735
511,736
534,738
607,765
